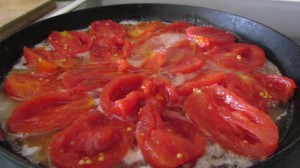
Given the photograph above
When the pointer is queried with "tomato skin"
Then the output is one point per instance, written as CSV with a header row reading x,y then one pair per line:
x,y
120,98
238,56
233,123
47,112
70,42
28,84
91,141
207,37
203,79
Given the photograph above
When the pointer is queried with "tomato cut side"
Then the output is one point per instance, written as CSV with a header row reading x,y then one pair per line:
x,y
89,77
144,29
205,78
28,84
47,112
231,122
206,36
70,43
47,60
239,56
92,141
163,146
119,97
277,88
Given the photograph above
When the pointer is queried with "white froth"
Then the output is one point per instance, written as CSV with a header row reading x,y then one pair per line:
x,y
30,151
133,156
216,156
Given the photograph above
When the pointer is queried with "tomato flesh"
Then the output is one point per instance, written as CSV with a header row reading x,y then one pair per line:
x,y
70,42
93,141
232,122
206,36
47,112
25,85
162,146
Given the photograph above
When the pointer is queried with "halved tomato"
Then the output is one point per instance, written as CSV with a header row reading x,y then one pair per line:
x,y
92,141
238,56
183,57
248,88
48,112
70,43
24,85
90,76
232,122
47,60
163,146
107,30
205,78
120,96
277,88
259,89
144,29
179,27
207,36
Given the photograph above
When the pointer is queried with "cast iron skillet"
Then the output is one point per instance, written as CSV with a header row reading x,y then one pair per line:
x,y
279,49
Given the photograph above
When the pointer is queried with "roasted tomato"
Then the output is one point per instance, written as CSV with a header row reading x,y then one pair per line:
x,y
238,56
91,141
183,57
164,146
204,78
179,27
48,112
70,43
24,85
90,76
144,29
277,88
207,37
120,96
259,89
109,41
47,60
232,122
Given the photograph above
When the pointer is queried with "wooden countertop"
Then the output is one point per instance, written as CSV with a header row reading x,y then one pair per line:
x,y
16,14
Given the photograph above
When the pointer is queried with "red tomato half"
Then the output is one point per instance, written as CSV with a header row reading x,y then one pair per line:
x,y
88,77
26,85
91,141
238,56
107,29
70,42
47,60
206,36
258,88
231,122
164,146
119,97
110,43
144,29
183,57
279,88
48,112
205,78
